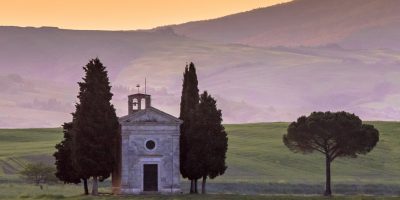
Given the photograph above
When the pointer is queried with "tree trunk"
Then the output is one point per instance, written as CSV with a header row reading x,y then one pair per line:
x,y
195,186
328,191
203,185
85,186
191,186
95,190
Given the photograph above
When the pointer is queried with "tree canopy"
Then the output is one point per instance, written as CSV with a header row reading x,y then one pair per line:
x,y
65,171
334,134
189,101
95,125
38,173
203,140
210,138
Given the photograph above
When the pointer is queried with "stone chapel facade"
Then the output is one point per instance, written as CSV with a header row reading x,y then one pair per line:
x,y
149,153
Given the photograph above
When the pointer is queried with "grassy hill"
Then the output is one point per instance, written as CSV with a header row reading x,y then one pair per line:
x,y
257,154
19,146
258,162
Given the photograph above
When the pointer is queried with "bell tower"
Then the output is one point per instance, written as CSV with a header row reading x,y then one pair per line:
x,y
135,102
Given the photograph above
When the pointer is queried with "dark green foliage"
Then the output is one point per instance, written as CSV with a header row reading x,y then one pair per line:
x,y
339,134
95,124
65,171
210,138
182,137
189,101
203,140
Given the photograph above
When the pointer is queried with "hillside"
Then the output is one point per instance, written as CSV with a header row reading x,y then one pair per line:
x,y
257,161
352,24
39,68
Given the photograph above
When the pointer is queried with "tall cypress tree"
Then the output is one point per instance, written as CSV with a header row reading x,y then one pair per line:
x,y
189,101
182,116
211,139
95,125
65,171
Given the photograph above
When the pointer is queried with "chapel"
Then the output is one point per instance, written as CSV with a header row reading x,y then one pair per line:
x,y
149,150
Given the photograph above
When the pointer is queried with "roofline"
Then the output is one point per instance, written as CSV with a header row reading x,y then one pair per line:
x,y
177,120
139,94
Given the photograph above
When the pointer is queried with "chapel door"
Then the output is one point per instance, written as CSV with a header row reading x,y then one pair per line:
x,y
150,177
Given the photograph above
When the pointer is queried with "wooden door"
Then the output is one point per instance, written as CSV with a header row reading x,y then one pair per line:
x,y
150,177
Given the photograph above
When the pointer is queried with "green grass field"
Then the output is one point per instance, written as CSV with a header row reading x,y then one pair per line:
x,y
258,163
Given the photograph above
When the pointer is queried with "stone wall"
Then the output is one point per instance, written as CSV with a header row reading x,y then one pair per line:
x,y
135,155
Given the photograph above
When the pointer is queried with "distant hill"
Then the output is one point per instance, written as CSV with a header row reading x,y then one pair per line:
x,y
39,68
354,23
268,64
60,53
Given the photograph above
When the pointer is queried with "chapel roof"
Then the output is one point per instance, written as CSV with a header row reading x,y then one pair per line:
x,y
149,115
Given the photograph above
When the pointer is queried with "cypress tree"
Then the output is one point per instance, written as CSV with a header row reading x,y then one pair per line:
x,y
182,116
211,139
95,125
65,171
195,153
189,101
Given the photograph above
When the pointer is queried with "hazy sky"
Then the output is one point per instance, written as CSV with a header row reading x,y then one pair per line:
x,y
118,14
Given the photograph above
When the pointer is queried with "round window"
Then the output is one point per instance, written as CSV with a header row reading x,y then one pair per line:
x,y
150,144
